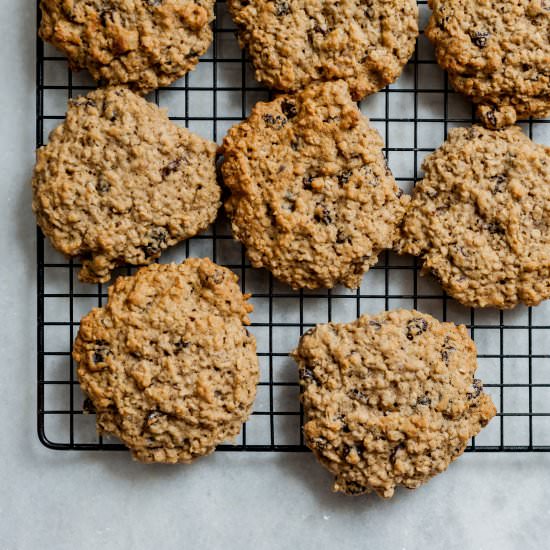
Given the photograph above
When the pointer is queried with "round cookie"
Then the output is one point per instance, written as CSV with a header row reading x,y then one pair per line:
x,y
480,218
142,43
312,198
167,363
118,183
389,399
497,53
293,43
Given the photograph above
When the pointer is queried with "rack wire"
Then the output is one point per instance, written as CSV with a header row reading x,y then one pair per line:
x,y
413,115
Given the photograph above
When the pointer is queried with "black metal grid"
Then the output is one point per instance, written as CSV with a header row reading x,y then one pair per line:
x,y
413,116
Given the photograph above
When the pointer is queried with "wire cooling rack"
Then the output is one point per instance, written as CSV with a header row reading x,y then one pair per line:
x,y
413,115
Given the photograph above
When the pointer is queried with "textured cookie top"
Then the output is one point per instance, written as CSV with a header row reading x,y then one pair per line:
x,y
498,53
312,198
293,43
142,43
389,399
167,363
480,218
118,182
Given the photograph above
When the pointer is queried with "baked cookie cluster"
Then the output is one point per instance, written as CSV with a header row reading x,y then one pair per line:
x,y
168,364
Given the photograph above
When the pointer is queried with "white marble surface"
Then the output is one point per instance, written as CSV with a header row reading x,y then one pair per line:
x,y
52,500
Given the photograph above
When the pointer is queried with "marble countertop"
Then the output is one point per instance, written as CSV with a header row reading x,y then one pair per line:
x,y
59,501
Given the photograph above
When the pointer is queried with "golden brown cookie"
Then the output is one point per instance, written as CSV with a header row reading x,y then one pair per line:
x,y
142,43
389,399
497,53
480,218
118,183
312,198
293,43
167,363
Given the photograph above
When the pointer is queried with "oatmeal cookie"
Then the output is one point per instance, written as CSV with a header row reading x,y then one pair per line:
x,y
480,218
293,43
118,183
167,363
312,198
389,399
497,53
142,43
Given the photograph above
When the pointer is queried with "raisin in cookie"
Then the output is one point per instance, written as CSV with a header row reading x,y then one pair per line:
x,y
480,218
142,43
293,43
167,363
496,53
389,399
312,198
118,183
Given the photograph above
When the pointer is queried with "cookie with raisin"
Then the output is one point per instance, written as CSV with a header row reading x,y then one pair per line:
x,y
167,363
312,198
118,183
390,399
480,218
293,43
144,44
497,53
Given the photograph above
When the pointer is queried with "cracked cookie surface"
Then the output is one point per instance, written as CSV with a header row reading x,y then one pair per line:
x,y
142,43
118,182
293,43
312,198
480,218
496,53
389,399
168,364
